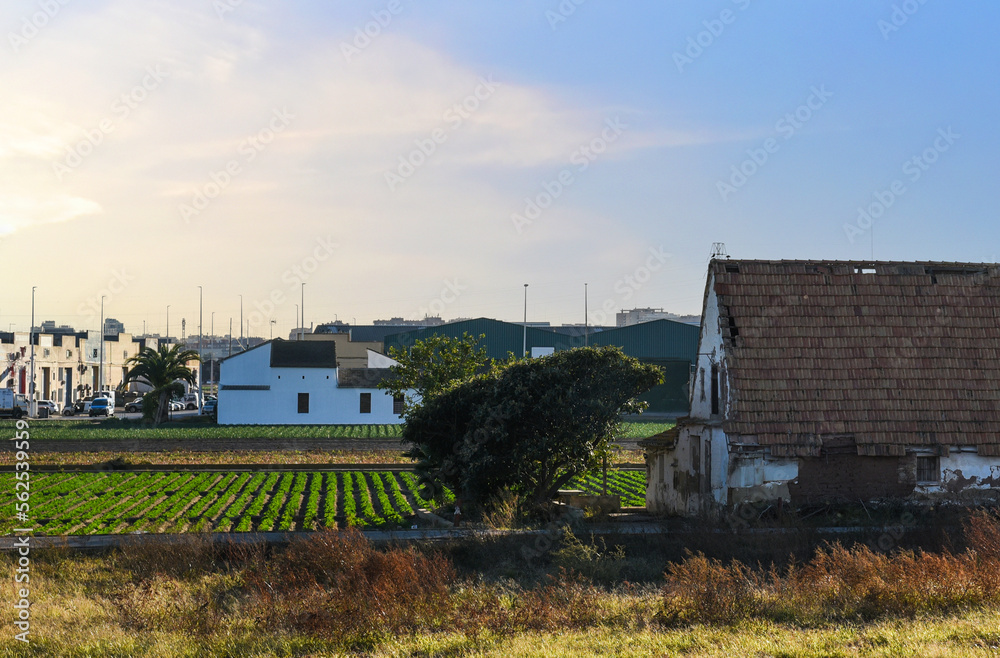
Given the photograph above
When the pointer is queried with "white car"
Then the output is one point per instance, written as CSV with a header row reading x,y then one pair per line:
x,y
48,404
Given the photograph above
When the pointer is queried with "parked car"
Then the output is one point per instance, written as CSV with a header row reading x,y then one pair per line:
x,y
209,408
177,405
134,406
78,407
101,407
190,401
52,407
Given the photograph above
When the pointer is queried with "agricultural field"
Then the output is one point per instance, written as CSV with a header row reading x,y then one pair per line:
x,y
225,501
125,430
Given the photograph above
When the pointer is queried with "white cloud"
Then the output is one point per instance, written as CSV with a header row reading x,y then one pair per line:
x,y
18,212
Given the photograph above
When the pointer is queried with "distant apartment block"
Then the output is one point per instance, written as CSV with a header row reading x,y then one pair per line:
x,y
640,315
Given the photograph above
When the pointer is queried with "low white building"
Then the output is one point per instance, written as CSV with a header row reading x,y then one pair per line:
x,y
300,383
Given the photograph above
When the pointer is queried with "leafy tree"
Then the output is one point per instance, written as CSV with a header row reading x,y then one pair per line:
x,y
531,425
163,369
430,365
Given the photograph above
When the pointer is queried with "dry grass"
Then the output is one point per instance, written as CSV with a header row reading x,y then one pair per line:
x,y
336,593
840,583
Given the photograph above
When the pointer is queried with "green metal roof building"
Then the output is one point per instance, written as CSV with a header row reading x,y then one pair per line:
x,y
668,344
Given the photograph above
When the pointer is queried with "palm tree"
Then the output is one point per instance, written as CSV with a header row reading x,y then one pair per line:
x,y
164,370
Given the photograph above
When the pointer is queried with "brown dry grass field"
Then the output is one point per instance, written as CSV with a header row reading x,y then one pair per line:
x,y
335,593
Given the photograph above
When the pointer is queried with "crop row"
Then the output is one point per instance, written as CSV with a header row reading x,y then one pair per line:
x,y
98,503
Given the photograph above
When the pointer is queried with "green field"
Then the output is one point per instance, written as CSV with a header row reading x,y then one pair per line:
x,y
119,429
224,501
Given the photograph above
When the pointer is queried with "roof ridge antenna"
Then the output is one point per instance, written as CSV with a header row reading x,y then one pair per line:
x,y
719,250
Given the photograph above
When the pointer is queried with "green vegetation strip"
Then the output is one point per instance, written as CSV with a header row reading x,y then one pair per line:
x,y
99,503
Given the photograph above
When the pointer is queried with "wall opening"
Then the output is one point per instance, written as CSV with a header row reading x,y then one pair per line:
x,y
715,390
928,469
366,403
303,403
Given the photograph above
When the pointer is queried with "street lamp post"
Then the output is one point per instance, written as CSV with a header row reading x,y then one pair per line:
x,y
211,333
586,319
201,334
302,332
524,347
167,337
296,319
100,366
241,323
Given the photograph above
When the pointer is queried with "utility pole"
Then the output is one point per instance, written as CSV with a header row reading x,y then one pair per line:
x,y
201,335
524,347
100,367
31,340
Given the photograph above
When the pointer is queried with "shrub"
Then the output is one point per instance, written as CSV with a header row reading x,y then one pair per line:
x,y
336,585
590,560
840,583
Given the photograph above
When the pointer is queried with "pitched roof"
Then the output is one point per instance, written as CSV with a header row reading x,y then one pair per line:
x,y
361,377
303,354
892,353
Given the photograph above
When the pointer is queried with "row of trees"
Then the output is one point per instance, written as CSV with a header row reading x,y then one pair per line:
x,y
527,425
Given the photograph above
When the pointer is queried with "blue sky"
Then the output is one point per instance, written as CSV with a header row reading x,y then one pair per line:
x,y
149,147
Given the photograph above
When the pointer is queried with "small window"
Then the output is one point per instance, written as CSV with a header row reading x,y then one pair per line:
x,y
397,404
928,469
303,403
366,403
95,353
715,390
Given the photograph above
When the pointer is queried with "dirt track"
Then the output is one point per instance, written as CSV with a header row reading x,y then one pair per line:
x,y
219,445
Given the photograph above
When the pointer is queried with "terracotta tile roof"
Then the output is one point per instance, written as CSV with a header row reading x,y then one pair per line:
x,y
890,353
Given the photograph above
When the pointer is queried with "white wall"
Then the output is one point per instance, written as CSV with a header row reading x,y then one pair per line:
x,y
964,470
710,351
677,485
328,404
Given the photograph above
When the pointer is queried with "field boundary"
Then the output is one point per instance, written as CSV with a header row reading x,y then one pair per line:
x,y
251,468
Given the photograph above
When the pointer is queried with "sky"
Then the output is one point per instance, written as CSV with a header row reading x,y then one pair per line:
x,y
404,158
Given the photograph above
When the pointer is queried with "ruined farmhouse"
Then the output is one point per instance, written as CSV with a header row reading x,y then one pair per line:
x,y
831,381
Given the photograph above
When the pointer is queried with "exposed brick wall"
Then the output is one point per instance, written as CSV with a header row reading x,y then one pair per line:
x,y
846,477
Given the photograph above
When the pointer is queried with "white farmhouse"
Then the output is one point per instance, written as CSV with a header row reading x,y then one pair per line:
x,y
299,383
